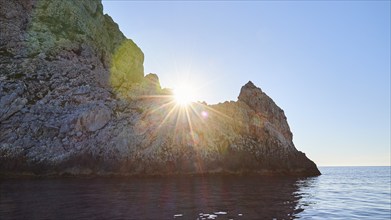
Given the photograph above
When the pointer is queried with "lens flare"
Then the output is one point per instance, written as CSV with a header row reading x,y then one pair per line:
x,y
204,114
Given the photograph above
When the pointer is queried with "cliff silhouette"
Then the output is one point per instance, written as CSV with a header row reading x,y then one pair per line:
x,y
74,100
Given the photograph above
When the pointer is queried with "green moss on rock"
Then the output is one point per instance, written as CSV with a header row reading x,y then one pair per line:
x,y
70,25
126,65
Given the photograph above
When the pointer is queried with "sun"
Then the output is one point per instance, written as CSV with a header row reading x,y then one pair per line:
x,y
184,95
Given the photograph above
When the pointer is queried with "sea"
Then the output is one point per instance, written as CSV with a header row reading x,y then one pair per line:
x,y
339,193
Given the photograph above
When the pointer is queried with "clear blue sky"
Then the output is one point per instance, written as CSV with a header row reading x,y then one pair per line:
x,y
326,63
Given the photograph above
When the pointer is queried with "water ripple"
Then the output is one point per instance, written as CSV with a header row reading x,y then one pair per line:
x,y
340,193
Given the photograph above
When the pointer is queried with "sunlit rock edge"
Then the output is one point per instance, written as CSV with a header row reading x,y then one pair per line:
x,y
74,101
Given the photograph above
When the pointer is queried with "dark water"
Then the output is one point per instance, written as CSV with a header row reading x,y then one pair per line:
x,y
340,193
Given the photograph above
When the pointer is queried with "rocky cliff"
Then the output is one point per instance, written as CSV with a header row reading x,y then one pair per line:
x,y
74,100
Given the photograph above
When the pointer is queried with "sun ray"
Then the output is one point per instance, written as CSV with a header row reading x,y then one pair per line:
x,y
195,112
190,125
215,111
168,115
178,118
187,120
167,104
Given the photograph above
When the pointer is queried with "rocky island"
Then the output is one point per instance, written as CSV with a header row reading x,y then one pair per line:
x,y
74,100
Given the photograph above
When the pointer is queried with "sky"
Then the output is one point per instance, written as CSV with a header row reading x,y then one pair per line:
x,y
326,63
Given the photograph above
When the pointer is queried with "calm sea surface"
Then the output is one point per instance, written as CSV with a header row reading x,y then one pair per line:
x,y
340,193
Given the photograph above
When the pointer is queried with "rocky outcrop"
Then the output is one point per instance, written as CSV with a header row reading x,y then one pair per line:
x,y
74,100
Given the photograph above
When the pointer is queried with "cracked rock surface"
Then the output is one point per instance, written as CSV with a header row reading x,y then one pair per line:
x,y
74,100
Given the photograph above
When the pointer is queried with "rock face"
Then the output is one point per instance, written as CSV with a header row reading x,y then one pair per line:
x,y
74,100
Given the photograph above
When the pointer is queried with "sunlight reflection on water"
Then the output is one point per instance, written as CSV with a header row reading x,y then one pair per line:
x,y
208,197
339,193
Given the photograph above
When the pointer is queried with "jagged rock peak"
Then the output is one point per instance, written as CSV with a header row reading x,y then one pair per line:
x,y
249,89
254,96
250,85
261,103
